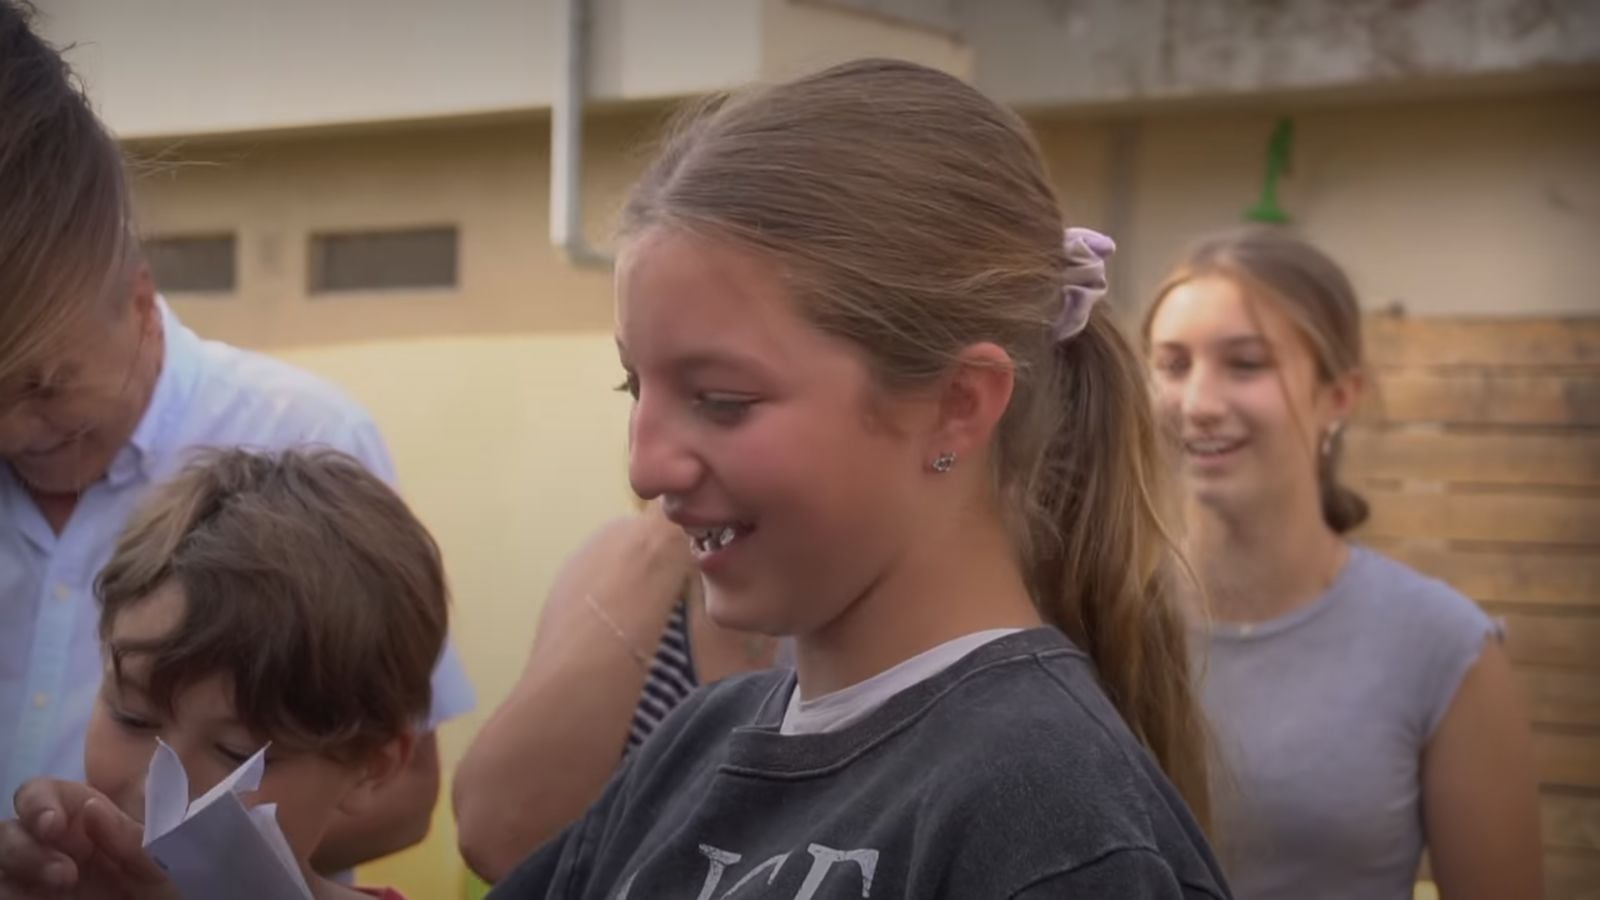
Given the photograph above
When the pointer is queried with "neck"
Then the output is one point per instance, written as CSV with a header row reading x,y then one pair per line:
x,y
153,360
719,652
1258,564
56,508
962,579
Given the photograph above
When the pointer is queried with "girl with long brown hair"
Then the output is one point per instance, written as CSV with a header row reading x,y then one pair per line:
x,y
1362,710
872,386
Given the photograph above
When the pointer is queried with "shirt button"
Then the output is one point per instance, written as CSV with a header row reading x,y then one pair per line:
x,y
40,701
62,592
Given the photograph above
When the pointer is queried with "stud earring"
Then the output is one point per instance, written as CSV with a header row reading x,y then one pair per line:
x,y
1330,436
944,462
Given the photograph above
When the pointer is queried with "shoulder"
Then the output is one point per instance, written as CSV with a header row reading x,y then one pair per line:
x,y
1034,751
245,399
1051,690
1413,606
1433,634
236,378
1052,745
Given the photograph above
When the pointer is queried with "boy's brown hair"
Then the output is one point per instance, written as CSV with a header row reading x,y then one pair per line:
x,y
308,584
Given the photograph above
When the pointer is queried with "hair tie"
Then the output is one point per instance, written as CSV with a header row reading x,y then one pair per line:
x,y
1085,282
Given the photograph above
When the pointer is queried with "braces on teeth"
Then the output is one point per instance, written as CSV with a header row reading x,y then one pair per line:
x,y
714,539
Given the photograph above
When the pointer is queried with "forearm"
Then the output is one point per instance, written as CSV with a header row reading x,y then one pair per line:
x,y
550,748
548,752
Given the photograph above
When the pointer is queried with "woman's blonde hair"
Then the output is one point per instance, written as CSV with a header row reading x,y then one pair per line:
x,y
913,218
1274,266
65,233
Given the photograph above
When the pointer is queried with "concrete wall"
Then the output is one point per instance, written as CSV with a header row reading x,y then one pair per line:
x,y
172,67
161,68
803,35
1077,52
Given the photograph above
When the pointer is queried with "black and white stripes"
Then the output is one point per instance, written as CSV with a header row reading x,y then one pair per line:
x,y
670,679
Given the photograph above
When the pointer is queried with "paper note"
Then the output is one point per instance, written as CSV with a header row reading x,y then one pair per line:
x,y
214,847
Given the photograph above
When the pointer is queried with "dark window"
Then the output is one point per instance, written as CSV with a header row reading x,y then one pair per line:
x,y
384,260
193,264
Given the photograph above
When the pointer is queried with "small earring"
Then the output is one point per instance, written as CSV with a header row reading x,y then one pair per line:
x,y
944,462
1330,436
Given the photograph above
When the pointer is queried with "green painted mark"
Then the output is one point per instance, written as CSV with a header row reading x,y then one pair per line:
x,y
1279,148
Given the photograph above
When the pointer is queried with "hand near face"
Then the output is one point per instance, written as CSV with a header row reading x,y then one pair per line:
x,y
69,842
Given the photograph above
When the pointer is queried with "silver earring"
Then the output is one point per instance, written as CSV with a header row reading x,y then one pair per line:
x,y
944,462
1330,436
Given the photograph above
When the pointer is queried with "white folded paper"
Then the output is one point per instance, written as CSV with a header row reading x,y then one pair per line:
x,y
214,847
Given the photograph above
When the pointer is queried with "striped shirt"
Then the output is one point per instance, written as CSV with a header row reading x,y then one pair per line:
x,y
671,678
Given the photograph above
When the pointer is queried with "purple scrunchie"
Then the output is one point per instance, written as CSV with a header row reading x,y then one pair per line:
x,y
1087,252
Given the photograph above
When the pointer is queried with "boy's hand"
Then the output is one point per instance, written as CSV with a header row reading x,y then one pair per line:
x,y
69,842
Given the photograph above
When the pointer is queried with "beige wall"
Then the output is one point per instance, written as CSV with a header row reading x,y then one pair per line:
x,y
490,180
1454,207
495,397
1476,207
511,449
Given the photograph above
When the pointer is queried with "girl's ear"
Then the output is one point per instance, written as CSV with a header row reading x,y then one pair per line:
x,y
971,401
1344,395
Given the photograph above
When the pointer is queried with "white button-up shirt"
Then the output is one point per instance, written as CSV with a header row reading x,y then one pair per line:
x,y
207,395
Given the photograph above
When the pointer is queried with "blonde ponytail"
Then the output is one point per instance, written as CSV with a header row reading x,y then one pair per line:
x,y
1105,565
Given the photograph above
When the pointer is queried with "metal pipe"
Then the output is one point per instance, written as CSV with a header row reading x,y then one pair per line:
x,y
566,143
1122,176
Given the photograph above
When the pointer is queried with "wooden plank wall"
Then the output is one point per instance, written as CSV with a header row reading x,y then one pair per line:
x,y
1479,449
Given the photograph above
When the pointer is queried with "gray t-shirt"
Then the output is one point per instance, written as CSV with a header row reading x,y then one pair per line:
x,y
1006,776
1321,718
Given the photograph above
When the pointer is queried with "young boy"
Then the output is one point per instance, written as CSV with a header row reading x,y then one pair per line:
x,y
288,601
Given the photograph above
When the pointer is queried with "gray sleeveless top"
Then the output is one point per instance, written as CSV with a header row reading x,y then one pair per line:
x,y
1321,717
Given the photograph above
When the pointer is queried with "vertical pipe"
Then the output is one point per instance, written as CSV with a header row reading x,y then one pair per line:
x,y
566,142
